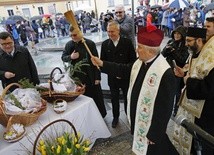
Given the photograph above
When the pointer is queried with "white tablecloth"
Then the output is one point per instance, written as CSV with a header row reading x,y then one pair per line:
x,y
82,112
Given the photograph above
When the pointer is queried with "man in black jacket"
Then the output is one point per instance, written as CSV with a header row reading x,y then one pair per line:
x,y
16,62
120,50
75,52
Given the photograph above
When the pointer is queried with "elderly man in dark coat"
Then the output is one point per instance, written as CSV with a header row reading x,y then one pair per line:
x,y
16,62
150,95
120,50
75,52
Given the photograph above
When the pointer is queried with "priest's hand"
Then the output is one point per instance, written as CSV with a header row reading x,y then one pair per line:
x,y
96,61
97,82
179,71
9,75
149,142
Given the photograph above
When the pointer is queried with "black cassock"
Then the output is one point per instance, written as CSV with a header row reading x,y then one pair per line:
x,y
203,89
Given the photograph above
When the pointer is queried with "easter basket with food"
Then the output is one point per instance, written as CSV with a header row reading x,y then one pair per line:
x,y
14,131
22,106
61,86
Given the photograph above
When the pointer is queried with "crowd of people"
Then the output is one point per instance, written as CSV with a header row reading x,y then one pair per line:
x,y
156,83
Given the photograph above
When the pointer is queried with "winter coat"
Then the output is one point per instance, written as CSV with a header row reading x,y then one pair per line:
x,y
21,64
176,50
126,28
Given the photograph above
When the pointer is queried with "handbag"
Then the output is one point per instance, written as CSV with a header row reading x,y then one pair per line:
x,y
173,20
40,30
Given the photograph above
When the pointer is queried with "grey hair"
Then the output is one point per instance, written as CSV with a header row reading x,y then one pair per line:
x,y
120,6
156,50
114,23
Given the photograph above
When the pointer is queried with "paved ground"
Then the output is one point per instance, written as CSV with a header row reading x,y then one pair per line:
x,y
120,141
119,145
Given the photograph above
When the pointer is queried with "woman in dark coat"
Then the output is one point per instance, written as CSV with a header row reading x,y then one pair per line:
x,y
175,50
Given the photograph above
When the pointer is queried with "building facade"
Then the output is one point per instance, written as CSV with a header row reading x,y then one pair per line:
x,y
29,8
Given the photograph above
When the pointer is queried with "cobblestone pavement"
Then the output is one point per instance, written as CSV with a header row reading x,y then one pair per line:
x,y
120,142
119,145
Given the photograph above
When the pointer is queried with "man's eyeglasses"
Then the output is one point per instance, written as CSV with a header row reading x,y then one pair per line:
x,y
190,40
73,35
7,44
118,12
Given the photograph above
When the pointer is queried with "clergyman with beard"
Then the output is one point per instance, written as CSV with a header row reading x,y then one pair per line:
x,y
197,101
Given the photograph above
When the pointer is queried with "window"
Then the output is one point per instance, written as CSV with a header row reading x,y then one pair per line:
x,y
125,2
110,2
10,12
41,12
26,12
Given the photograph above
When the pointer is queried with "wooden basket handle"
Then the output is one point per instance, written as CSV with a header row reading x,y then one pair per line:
x,y
2,109
51,77
9,124
58,100
8,87
59,120
2,97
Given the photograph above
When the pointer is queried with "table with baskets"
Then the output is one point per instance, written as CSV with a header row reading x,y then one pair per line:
x,y
82,112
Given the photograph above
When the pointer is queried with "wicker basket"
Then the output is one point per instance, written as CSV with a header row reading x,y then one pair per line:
x,y
35,145
52,95
23,118
8,128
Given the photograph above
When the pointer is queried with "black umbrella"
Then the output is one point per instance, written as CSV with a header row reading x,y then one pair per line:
x,y
155,6
209,6
77,12
16,18
59,14
36,17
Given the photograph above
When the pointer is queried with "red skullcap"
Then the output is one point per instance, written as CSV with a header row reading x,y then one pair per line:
x,y
150,36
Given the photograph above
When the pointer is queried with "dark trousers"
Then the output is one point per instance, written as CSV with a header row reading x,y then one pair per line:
x,y
115,94
179,87
95,92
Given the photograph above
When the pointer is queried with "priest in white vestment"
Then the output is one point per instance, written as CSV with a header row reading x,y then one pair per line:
x,y
150,96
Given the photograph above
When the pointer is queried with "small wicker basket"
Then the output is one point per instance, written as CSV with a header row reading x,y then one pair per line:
x,y
8,128
22,118
57,110
52,95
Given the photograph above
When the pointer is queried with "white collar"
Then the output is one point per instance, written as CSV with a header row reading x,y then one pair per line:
x,y
12,53
116,41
